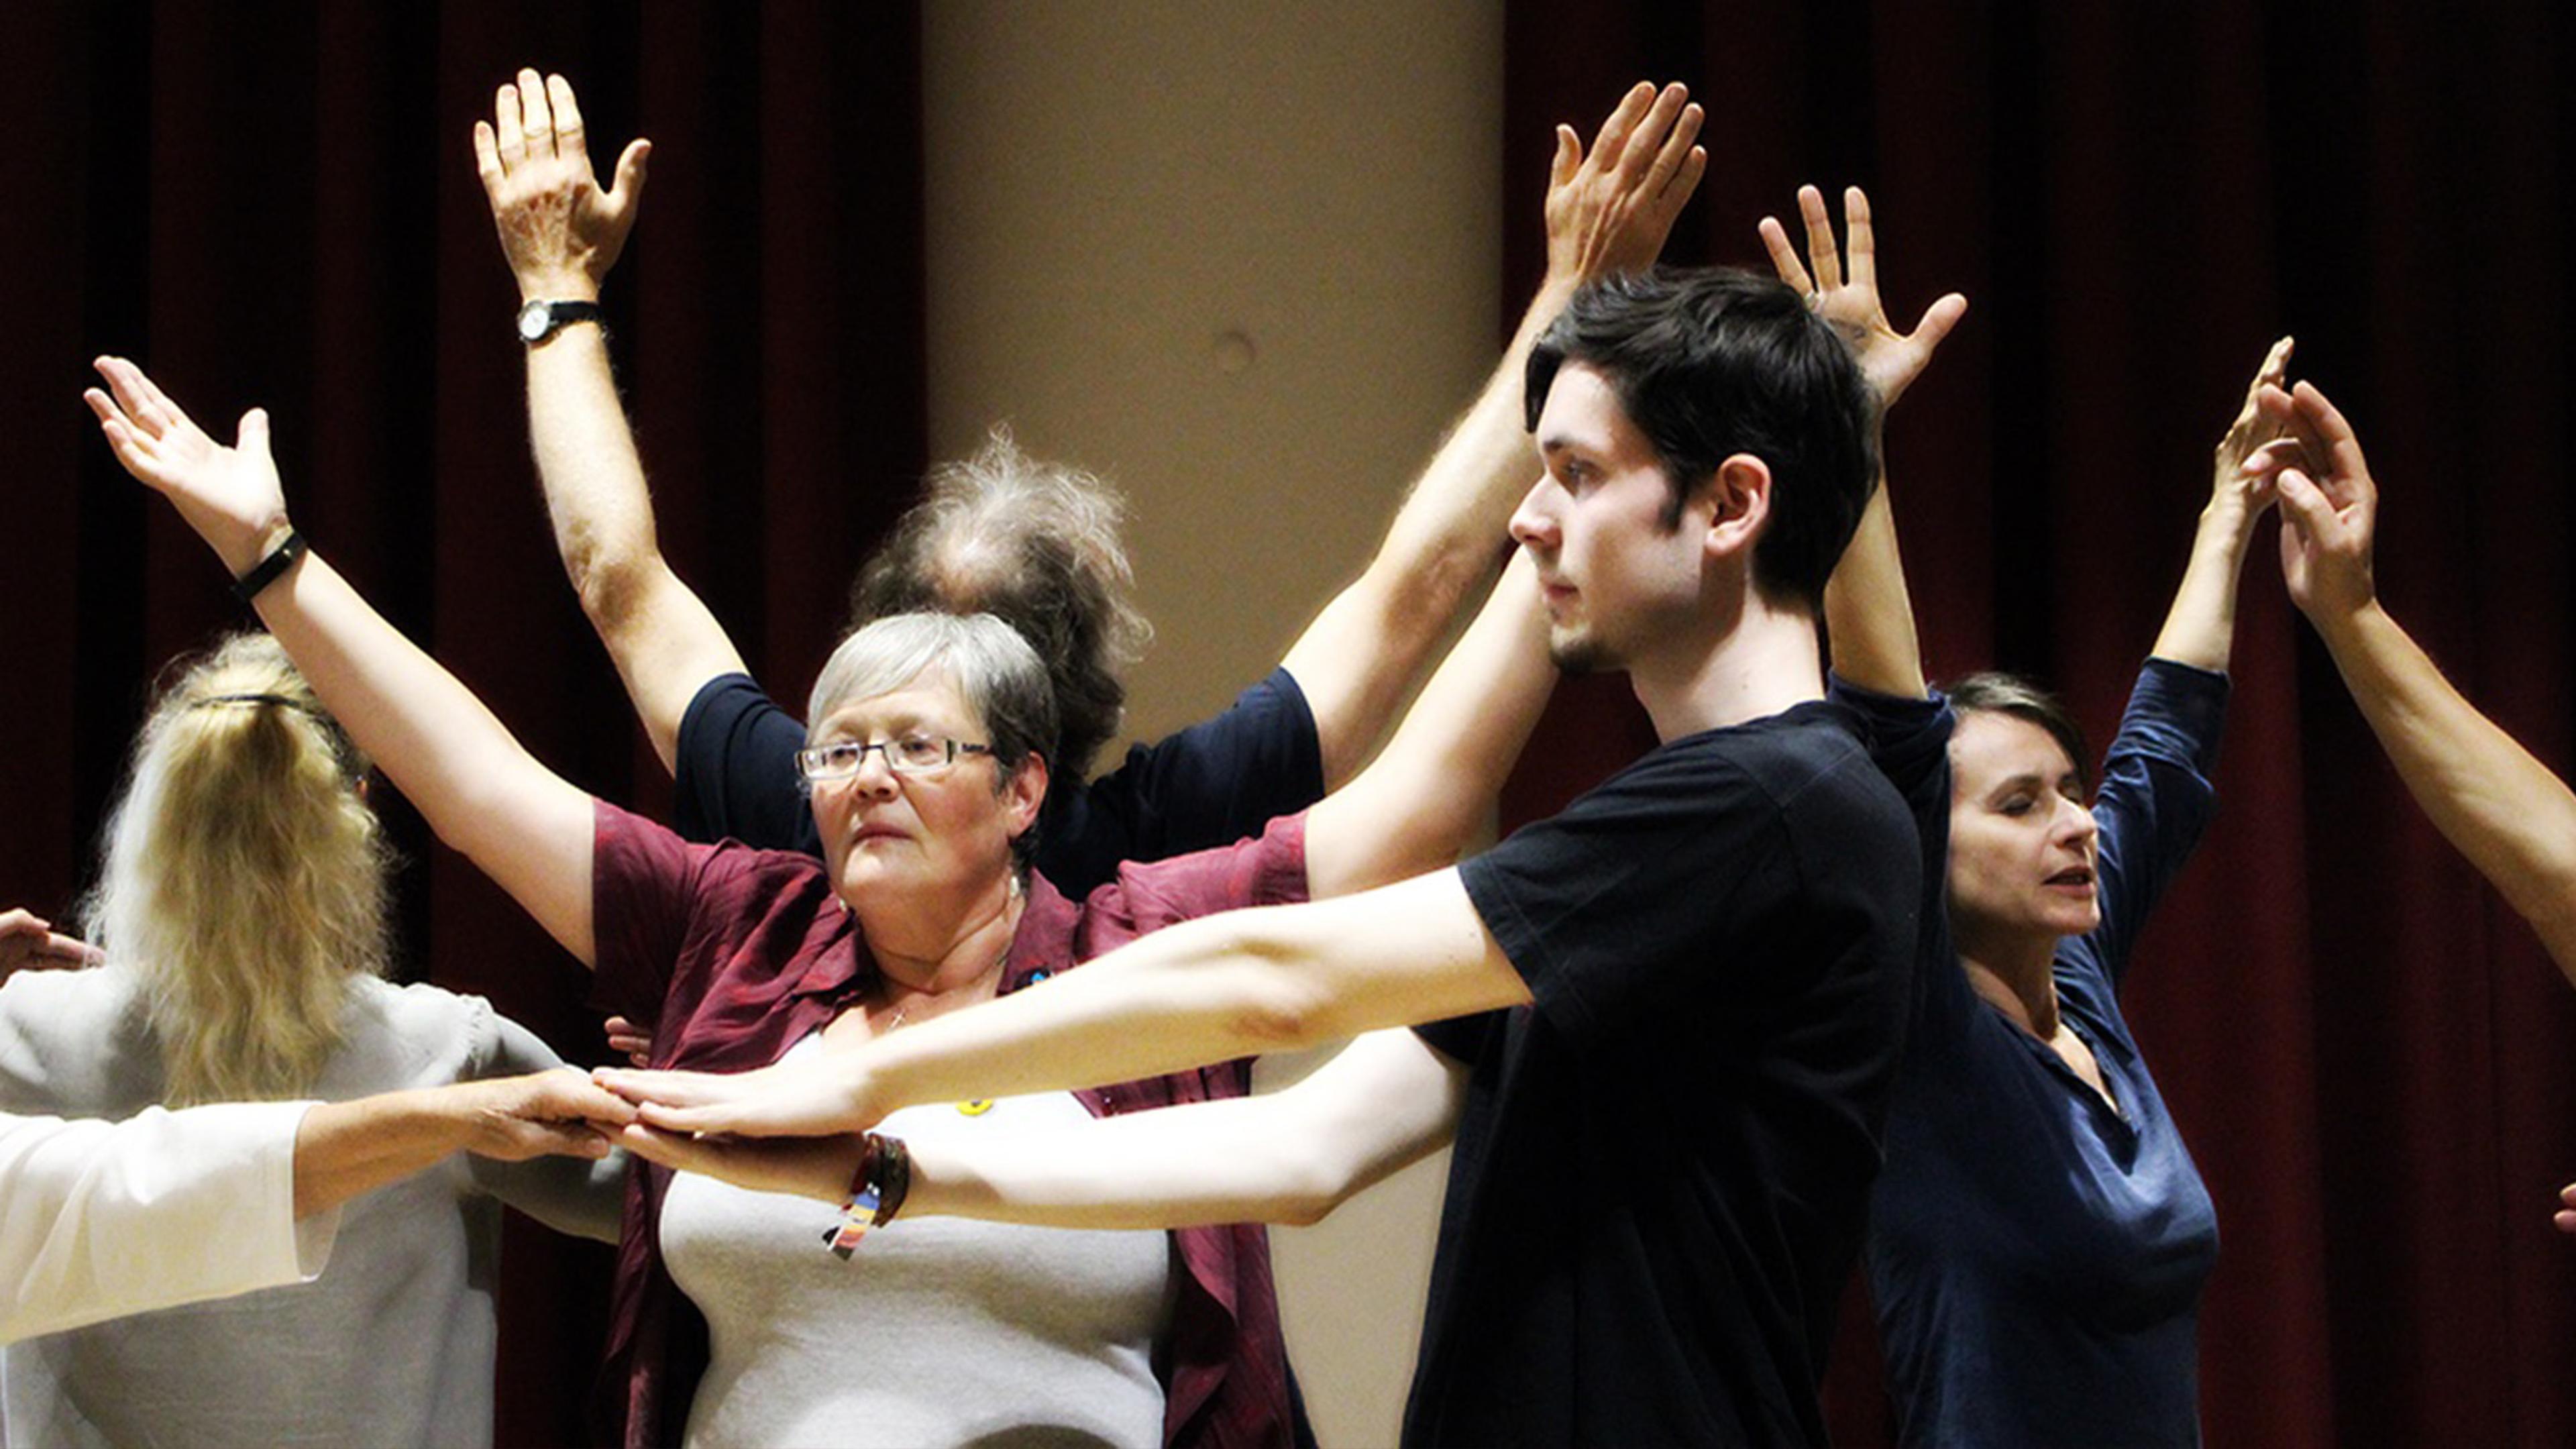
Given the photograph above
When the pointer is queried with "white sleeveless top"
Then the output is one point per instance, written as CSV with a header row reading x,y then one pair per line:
x,y
936,1331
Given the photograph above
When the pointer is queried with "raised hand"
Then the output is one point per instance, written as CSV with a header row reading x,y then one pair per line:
x,y
1890,359
1610,210
559,231
813,1097
29,943
230,496
2329,505
2258,443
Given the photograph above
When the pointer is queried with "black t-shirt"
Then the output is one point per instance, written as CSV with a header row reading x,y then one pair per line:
x,y
1662,1165
1214,783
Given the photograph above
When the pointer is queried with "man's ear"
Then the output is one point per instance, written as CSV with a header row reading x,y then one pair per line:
x,y
1736,502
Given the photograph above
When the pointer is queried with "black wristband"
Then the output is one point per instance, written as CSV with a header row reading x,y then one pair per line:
x,y
265,572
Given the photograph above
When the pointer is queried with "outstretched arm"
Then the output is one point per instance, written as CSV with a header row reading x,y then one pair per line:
x,y
2200,628
1608,211
1868,613
1290,1156
344,1149
561,234
525,826
2504,810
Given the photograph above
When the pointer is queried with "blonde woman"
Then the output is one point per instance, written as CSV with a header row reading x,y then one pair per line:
x,y
241,908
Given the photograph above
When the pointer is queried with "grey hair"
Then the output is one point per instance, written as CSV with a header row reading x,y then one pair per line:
x,y
1038,545
993,668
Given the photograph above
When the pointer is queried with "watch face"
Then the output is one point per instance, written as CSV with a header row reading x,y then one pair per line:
x,y
535,320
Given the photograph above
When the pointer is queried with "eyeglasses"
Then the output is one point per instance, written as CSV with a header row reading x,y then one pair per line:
x,y
911,755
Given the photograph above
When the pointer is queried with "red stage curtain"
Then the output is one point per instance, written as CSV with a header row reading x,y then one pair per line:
x,y
275,205
2368,1052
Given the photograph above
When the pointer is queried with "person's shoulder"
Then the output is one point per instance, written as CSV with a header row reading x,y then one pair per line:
x,y
65,1005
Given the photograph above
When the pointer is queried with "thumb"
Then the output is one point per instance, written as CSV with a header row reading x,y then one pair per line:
x,y
628,192
252,436
1569,155
2304,505
1938,319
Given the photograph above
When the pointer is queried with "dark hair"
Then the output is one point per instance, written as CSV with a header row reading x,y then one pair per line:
x,y
1711,362
1994,692
1037,546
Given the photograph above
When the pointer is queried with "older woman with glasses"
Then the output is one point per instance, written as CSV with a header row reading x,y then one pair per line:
x,y
925,765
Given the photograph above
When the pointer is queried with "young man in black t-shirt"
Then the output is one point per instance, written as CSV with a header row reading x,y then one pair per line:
x,y
1693,980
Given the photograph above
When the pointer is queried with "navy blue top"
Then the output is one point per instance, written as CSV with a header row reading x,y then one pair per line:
x,y
2037,1256
1214,783
1663,1162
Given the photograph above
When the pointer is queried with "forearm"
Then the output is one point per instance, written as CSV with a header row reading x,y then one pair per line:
x,y
1416,806
1233,985
661,636
1869,613
1291,1157
2503,809
485,795
2200,628
346,1149
1356,660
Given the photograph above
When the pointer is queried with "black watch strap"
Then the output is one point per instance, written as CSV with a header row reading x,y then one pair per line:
x,y
538,321
265,572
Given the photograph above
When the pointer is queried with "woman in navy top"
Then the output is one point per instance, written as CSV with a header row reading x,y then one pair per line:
x,y
2039,1236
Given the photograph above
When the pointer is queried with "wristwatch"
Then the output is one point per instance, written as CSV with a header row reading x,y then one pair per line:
x,y
540,320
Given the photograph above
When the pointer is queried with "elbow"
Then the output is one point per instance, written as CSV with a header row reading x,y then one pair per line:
x,y
1273,999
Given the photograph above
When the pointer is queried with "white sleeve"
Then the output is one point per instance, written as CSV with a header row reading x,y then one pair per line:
x,y
101,1219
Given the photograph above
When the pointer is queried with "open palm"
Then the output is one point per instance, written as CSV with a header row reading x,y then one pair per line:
x,y
229,495
1889,359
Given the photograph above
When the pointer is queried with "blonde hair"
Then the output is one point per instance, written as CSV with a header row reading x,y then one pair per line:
x,y
244,880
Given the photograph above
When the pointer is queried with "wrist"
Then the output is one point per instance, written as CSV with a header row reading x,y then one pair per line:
x,y
253,547
557,285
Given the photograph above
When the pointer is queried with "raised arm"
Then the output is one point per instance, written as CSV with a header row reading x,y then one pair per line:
x,y
2201,626
1607,211
485,795
1432,788
561,234
1868,613
2504,810
1290,1156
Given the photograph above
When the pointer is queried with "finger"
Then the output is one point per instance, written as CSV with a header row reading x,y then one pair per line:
x,y
2276,363
1674,153
562,1139
19,921
1784,256
1860,244
1822,258
487,156
673,1089
663,1149
1567,160
2272,457
135,397
1613,137
508,140
693,1119
569,137
1645,146
1685,182
534,117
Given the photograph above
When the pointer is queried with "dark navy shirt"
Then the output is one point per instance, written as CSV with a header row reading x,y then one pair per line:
x,y
2037,1256
1214,783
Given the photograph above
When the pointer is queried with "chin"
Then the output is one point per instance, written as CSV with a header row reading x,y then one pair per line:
x,y
1579,654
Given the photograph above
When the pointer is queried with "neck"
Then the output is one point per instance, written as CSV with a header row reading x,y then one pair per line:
x,y
2017,977
1759,661
951,953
